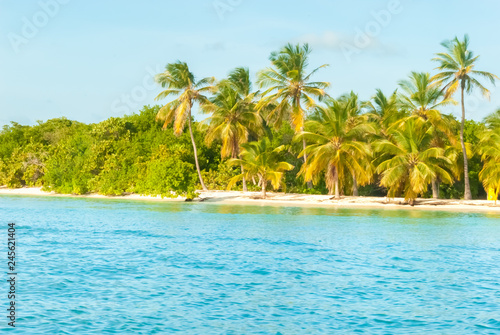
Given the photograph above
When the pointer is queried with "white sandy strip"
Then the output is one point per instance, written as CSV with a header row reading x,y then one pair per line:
x,y
292,200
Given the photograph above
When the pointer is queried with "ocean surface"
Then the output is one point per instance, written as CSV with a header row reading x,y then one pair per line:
x,y
104,266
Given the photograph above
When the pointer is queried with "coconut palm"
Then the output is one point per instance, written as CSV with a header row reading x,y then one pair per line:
x,y
337,148
492,121
261,160
290,88
384,110
423,100
489,148
233,114
179,81
408,162
457,71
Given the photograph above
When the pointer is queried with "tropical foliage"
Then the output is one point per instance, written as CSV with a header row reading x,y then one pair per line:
x,y
291,135
490,154
234,116
261,160
457,71
337,149
290,90
408,162
179,81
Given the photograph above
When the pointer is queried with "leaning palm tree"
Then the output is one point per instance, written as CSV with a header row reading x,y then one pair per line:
x,y
489,148
179,81
234,116
289,87
261,160
408,162
423,100
337,149
457,70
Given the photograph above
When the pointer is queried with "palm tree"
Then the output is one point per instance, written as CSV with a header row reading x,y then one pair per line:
x,y
457,70
337,149
290,88
489,147
233,114
259,159
423,100
385,111
408,161
493,120
179,81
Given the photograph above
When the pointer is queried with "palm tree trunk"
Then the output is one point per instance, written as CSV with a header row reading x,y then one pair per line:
x,y
336,181
304,145
467,194
354,186
263,188
435,188
236,153
245,189
196,154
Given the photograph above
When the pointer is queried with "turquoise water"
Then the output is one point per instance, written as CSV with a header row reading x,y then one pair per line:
x,y
126,267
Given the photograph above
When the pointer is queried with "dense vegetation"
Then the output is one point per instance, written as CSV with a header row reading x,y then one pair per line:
x,y
288,133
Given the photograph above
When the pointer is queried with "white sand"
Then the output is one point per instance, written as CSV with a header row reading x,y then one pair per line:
x,y
293,200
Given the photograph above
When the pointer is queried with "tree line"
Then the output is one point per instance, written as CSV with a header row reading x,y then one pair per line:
x,y
284,131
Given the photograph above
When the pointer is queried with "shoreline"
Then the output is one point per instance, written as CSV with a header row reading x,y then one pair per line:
x,y
289,200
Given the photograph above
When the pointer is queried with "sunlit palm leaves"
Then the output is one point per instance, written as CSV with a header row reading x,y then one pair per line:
x,y
457,68
338,148
180,82
489,148
408,162
385,111
261,160
457,71
290,86
233,113
423,100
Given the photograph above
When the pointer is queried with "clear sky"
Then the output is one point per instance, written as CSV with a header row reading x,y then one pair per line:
x,y
90,60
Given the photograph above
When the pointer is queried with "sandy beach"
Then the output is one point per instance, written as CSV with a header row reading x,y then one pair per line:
x,y
291,200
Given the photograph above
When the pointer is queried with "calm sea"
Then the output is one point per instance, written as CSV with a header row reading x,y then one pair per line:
x,y
88,266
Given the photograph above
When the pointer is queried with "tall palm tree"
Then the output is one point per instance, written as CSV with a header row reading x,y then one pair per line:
x,y
423,100
261,160
337,148
234,115
408,162
457,71
179,81
289,87
489,148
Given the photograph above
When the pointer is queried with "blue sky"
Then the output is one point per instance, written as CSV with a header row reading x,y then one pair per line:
x,y
89,61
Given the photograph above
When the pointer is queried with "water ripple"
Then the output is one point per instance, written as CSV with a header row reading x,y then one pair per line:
x,y
121,267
